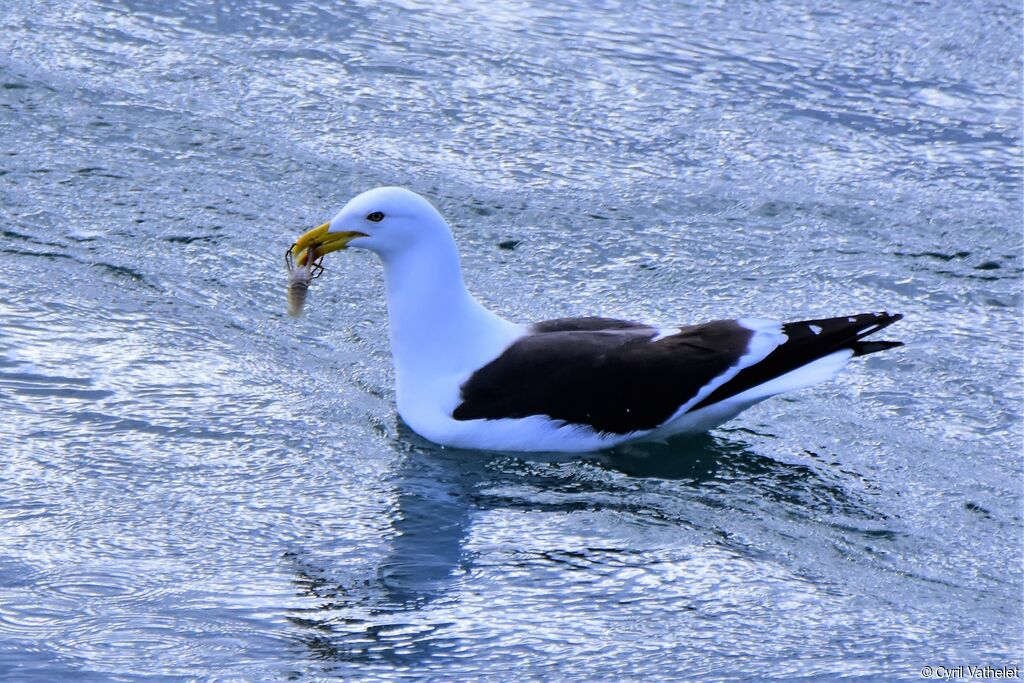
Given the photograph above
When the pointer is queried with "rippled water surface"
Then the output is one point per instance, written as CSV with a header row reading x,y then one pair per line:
x,y
195,485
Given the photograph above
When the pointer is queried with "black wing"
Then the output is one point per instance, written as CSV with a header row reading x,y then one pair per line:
x,y
612,376
604,373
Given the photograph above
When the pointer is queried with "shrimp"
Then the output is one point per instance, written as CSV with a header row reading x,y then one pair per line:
x,y
299,277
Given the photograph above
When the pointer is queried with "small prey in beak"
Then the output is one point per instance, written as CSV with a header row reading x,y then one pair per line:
x,y
304,258
299,278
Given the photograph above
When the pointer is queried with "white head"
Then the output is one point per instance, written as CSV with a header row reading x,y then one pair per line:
x,y
437,328
387,220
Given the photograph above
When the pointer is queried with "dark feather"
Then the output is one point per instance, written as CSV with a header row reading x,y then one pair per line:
x,y
589,324
607,374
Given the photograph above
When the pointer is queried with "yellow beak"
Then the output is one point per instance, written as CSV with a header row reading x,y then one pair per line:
x,y
317,242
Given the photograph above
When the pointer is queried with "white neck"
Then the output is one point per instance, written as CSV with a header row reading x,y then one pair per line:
x,y
437,328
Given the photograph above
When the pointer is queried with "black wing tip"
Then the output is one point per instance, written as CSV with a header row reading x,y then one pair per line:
x,y
863,348
884,319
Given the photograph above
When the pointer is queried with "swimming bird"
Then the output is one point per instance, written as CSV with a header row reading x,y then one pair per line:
x,y
468,378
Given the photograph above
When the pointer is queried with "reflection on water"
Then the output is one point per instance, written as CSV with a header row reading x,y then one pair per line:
x,y
381,617
386,617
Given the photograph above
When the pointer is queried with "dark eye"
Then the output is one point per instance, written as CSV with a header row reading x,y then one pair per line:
x,y
376,216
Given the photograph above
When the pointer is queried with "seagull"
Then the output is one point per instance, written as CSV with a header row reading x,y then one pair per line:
x,y
468,378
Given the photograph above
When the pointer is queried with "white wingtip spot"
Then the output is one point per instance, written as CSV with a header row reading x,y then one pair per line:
x,y
815,329
761,325
664,332
852,320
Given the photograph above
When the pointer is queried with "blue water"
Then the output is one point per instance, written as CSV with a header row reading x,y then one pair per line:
x,y
196,486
